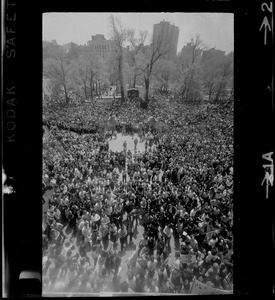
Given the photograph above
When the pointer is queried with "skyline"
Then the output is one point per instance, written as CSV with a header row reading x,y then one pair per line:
x,y
215,29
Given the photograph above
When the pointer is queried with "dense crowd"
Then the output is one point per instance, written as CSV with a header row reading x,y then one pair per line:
x,y
180,187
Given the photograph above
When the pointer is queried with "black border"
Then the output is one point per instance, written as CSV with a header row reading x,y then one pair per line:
x,y
253,214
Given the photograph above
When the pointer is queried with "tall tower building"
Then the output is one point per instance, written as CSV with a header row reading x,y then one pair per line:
x,y
168,35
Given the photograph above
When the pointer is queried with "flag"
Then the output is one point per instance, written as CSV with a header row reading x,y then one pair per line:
x,y
199,288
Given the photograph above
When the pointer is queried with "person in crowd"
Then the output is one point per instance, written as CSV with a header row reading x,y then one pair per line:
x,y
124,178
122,234
168,231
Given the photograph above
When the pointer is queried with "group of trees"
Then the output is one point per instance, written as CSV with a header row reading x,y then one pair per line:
x,y
191,74
197,72
84,74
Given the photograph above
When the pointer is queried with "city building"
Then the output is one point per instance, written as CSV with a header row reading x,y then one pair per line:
x,y
99,45
50,48
213,53
168,35
189,55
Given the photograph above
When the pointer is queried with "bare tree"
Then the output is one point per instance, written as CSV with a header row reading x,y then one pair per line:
x,y
188,66
59,69
197,47
84,78
212,61
81,74
156,51
119,36
136,46
166,74
87,70
226,71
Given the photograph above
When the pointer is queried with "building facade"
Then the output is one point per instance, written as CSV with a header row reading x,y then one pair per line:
x,y
168,35
190,55
100,46
214,54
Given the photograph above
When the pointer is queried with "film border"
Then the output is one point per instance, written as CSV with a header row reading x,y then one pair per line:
x,y
253,123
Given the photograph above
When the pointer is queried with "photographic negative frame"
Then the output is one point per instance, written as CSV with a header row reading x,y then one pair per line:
x,y
253,144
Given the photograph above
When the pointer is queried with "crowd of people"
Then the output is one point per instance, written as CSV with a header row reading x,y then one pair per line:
x,y
177,195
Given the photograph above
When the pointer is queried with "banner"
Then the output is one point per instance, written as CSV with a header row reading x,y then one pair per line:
x,y
199,288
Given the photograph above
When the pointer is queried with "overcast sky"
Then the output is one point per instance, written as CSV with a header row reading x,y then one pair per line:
x,y
215,29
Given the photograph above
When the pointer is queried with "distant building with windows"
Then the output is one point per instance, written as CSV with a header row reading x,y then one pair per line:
x,y
189,55
100,46
168,35
213,53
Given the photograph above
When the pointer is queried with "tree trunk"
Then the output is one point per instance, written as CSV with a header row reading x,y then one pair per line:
x,y
135,79
85,88
189,84
185,93
120,72
99,88
147,84
85,91
96,89
122,94
222,86
210,92
218,93
66,94
92,86
91,90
